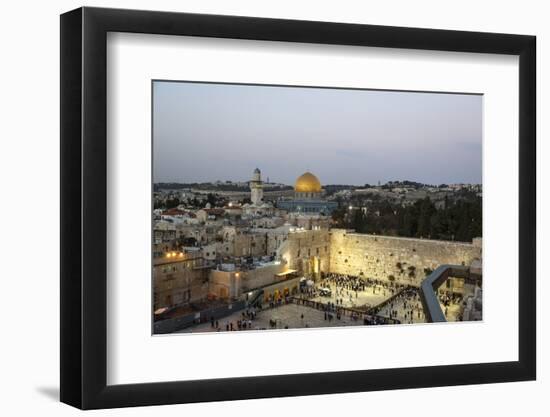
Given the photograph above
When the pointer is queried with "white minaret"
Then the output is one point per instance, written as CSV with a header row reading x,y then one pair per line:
x,y
256,188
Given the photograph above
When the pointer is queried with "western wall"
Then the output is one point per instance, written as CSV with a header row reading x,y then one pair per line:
x,y
407,260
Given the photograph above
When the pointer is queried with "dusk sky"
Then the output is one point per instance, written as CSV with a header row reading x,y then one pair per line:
x,y
208,132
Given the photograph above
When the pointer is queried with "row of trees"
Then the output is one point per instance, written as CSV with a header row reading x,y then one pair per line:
x,y
458,220
213,199
226,186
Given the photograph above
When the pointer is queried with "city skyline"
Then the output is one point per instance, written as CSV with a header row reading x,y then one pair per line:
x,y
221,132
246,182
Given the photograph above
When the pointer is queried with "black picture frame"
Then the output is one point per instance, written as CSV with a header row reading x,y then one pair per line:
x,y
84,207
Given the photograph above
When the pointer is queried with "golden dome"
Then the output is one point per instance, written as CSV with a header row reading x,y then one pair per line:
x,y
307,183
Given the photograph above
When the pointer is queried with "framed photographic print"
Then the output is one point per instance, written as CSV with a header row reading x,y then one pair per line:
x,y
258,208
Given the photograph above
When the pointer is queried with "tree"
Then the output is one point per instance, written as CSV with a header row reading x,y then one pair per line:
x,y
459,217
173,202
427,209
359,222
437,225
410,224
339,216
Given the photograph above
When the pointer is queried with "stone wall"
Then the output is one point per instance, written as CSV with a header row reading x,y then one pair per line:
x,y
260,276
406,259
307,251
182,322
224,284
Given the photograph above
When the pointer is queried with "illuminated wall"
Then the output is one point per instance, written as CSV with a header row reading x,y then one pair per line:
x,y
301,246
406,259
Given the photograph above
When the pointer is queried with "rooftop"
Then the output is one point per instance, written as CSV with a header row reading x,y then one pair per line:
x,y
175,257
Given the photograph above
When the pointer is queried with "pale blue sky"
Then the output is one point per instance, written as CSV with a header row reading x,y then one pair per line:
x,y
207,132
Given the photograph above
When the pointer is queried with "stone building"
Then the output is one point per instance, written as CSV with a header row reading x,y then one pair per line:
x,y
306,251
275,238
164,232
210,215
178,279
233,282
297,253
309,221
267,222
238,241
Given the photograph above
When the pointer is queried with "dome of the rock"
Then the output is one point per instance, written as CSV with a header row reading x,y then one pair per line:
x,y
307,183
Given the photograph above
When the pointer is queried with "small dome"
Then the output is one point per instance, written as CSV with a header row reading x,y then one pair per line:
x,y
257,171
307,183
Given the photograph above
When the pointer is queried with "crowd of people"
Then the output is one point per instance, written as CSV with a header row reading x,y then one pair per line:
x,y
450,303
347,288
402,305
244,323
405,307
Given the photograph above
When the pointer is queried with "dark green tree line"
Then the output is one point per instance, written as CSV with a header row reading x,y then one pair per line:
x,y
458,220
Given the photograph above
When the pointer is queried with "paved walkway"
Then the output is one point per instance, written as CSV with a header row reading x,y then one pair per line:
x,y
286,316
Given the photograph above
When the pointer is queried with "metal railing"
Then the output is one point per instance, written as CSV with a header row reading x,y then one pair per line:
x,y
430,285
343,310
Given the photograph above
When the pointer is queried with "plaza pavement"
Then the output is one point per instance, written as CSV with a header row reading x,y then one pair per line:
x,y
290,315
286,315
403,314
